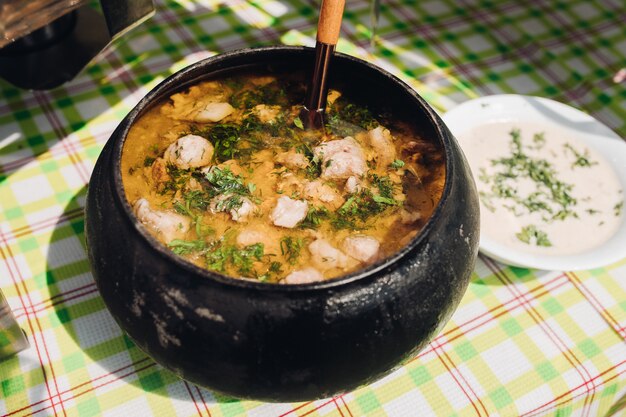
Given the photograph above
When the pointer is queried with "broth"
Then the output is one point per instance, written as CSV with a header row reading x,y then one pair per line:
x,y
225,176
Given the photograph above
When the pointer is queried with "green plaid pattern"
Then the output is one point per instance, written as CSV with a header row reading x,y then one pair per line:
x,y
522,343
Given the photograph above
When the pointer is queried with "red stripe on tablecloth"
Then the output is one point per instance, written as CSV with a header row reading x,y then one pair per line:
x,y
98,386
544,326
337,406
192,397
345,404
293,410
317,408
597,305
437,346
42,225
469,385
496,30
482,65
573,33
590,399
60,301
58,129
542,408
49,154
85,383
52,300
203,401
432,38
506,307
29,321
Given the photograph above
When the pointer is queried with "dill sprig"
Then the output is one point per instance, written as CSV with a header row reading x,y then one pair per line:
x,y
551,197
533,236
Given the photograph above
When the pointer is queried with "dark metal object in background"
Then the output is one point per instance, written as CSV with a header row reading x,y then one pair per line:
x,y
12,338
55,53
315,103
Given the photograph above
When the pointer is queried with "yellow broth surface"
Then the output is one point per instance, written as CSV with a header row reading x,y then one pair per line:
x,y
247,192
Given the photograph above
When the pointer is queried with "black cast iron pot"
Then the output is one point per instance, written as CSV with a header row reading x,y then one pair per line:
x,y
278,342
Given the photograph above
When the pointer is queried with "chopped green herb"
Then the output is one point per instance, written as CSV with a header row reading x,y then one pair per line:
x,y
314,217
228,202
223,255
224,138
178,179
224,181
384,184
274,269
196,199
182,209
397,164
184,247
384,200
618,208
582,159
148,161
533,236
298,123
314,169
360,207
290,248
539,139
551,197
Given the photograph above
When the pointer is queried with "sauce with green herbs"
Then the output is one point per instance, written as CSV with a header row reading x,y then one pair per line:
x,y
224,174
542,190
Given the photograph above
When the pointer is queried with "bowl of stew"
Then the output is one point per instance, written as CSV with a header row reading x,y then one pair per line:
x,y
265,261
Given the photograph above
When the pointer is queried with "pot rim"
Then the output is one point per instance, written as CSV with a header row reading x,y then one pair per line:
x,y
121,133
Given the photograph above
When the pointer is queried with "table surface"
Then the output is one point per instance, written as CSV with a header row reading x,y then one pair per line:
x,y
522,342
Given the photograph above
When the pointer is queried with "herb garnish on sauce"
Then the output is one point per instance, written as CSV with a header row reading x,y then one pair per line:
x,y
549,195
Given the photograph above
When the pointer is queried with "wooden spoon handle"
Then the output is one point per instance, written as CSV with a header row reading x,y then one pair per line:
x,y
330,21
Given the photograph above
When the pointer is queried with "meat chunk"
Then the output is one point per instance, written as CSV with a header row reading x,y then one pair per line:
x,y
382,143
292,159
288,183
265,113
318,191
213,112
238,207
303,276
361,247
189,151
159,173
341,158
249,237
353,185
288,213
325,256
166,225
199,104
246,209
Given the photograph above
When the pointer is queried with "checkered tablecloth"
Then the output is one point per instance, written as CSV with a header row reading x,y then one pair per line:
x,y
522,343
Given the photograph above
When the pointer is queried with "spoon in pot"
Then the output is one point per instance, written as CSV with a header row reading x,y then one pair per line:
x,y
312,114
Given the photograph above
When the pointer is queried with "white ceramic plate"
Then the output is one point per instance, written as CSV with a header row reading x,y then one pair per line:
x,y
535,111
